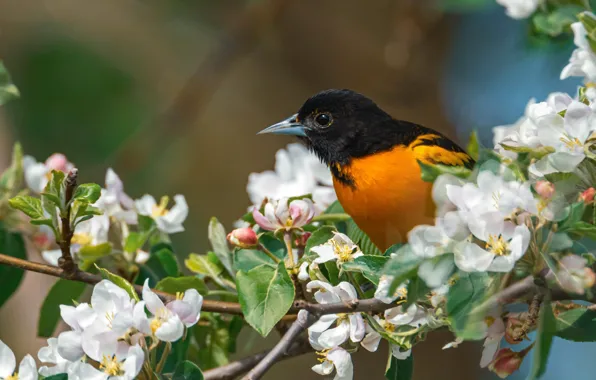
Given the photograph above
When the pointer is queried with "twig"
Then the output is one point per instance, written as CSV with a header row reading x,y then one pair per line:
x,y
368,305
66,262
234,369
509,293
530,321
304,320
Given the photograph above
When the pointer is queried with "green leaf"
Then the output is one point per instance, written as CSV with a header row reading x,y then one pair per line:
x,y
60,376
335,208
187,370
135,241
473,146
320,236
29,205
201,264
417,289
54,189
403,266
219,243
578,325
265,296
370,266
247,259
63,292
89,192
469,291
557,21
168,261
119,281
8,90
361,239
582,229
174,285
217,340
576,214
431,172
399,369
547,326
12,244
95,252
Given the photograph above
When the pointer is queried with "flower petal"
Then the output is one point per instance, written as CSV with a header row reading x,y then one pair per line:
x,y
153,302
28,369
171,330
7,361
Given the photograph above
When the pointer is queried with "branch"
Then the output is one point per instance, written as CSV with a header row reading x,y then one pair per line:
x,y
234,369
304,320
66,262
90,278
370,305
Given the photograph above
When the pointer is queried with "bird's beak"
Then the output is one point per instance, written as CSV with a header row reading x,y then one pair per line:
x,y
288,126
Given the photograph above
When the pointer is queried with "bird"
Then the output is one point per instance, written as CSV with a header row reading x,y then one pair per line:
x,y
374,161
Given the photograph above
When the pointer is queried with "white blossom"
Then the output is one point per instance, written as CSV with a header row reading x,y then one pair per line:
x,y
37,174
339,248
337,358
519,9
168,221
382,291
114,202
27,368
283,214
583,60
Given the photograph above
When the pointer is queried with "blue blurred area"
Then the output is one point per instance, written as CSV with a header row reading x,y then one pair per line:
x,y
492,72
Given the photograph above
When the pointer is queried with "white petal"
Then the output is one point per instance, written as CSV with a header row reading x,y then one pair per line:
x,y
171,330
84,371
324,368
7,361
348,292
325,252
488,353
140,319
28,369
145,205
342,362
134,362
371,341
336,336
471,258
52,256
399,354
69,345
323,323
357,327
152,300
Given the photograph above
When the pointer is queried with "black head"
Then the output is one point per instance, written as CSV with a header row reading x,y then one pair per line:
x,y
338,125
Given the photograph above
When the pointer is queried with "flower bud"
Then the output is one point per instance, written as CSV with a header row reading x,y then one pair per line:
x,y
301,240
284,215
506,362
243,237
588,196
545,189
58,161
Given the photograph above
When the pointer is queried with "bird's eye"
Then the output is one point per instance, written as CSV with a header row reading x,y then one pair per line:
x,y
323,119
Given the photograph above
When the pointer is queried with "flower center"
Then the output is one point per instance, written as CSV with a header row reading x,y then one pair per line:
x,y
388,326
343,252
341,318
158,319
179,296
497,245
13,377
81,239
571,142
161,208
111,366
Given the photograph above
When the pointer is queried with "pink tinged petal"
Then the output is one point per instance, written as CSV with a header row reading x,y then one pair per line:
x,y
301,211
336,336
398,353
357,327
342,362
324,368
7,361
371,341
171,329
28,369
282,211
134,362
183,311
153,302
262,221
195,302
323,323
69,345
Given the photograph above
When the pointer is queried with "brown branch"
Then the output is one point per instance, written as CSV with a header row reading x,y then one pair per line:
x,y
531,319
304,320
234,369
66,262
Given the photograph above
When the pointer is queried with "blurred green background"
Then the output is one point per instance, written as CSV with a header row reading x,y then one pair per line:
x,y
171,93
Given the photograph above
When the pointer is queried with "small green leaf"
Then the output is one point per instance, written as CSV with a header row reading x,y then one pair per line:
x,y
403,266
54,189
399,369
582,229
265,295
370,266
201,264
557,21
29,205
174,285
89,192
578,325
217,340
320,236
135,241
168,260
8,90
60,376
119,281
547,327
335,208
187,370
247,259
12,244
431,172
219,243
576,214
95,252
469,291
473,146
416,290
63,292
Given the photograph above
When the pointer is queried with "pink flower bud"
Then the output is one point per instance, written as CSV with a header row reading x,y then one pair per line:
x,y
506,362
545,189
588,196
279,215
300,241
243,237
58,161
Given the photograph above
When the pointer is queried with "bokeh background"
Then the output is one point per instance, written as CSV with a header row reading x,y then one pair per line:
x,y
170,93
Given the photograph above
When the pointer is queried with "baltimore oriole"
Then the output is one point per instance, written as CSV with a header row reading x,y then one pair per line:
x,y
374,161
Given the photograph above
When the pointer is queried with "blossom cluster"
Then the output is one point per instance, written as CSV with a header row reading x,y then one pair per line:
x,y
112,331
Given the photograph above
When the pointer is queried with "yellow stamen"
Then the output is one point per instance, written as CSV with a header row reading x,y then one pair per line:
x,y
323,355
344,252
497,245
82,239
161,208
110,318
179,296
13,377
388,326
111,366
570,142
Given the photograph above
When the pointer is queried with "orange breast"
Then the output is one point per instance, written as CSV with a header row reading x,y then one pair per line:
x,y
389,197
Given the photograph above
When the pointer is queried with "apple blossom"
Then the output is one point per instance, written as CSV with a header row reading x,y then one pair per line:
x,y
340,247
167,221
284,215
114,202
573,275
243,237
336,358
37,174
27,369
519,9
583,60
